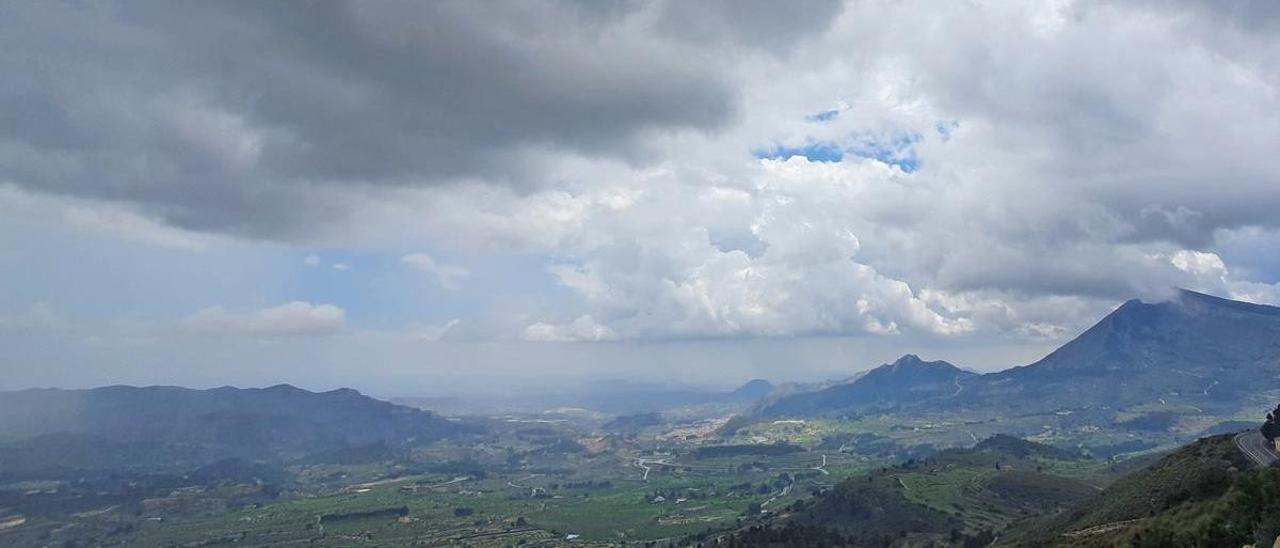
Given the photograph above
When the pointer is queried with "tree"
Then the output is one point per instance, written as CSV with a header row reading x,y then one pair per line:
x,y
1271,428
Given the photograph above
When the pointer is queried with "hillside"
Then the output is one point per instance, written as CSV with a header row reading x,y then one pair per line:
x,y
904,381
954,497
1204,494
160,427
1194,351
1200,349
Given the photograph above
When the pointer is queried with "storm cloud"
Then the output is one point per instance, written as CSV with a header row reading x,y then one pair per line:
x,y
239,117
991,175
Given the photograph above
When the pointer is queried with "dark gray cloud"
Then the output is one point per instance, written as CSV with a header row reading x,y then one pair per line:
x,y
760,24
236,117
1253,15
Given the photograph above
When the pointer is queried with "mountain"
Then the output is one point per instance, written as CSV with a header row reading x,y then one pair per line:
x,y
753,390
609,397
1194,350
1203,494
632,423
958,497
904,381
164,427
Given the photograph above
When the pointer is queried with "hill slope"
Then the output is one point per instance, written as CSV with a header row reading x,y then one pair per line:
x,y
169,428
906,380
1205,350
1203,494
954,497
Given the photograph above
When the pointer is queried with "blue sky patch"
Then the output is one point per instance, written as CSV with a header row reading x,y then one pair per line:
x,y
895,149
814,152
946,128
824,116
898,150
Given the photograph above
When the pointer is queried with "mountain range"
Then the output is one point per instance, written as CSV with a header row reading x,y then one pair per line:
x,y
1193,350
165,427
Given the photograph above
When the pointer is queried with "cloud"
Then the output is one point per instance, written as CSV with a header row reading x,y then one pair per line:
x,y
257,120
660,170
585,328
292,319
1199,263
311,260
753,24
446,275
97,216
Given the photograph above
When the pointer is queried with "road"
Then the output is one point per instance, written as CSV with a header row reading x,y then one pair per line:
x,y
1254,446
1099,529
641,464
518,486
822,467
646,465
458,479
782,493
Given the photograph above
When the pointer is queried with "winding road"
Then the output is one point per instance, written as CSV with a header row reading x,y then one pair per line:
x,y
822,467
1256,447
645,464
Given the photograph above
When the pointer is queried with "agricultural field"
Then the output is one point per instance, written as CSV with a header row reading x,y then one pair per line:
x,y
575,479
520,483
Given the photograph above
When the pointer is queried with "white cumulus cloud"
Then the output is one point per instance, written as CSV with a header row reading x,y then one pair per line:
x,y
585,328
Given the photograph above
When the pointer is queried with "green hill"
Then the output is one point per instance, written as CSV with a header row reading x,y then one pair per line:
x,y
955,497
1203,494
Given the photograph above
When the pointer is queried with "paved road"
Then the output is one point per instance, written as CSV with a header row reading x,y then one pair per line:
x,y
1254,446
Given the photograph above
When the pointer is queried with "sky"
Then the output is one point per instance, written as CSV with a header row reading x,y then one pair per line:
x,y
428,198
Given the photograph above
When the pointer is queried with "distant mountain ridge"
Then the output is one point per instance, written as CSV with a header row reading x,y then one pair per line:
x,y
1197,349
171,427
906,380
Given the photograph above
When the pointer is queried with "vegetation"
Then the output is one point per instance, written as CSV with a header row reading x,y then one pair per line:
x,y
715,451
1201,495
171,467
1271,428
957,497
